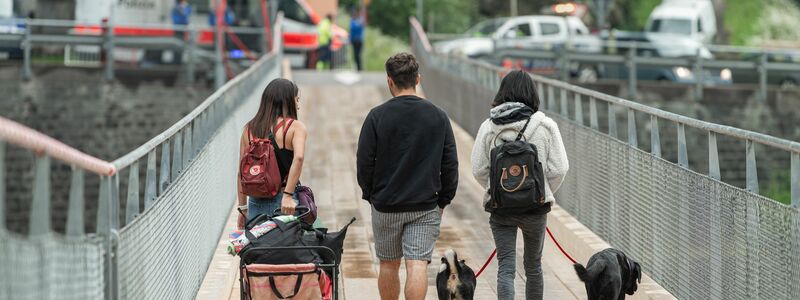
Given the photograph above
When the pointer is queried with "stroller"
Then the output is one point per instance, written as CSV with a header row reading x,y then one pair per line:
x,y
291,261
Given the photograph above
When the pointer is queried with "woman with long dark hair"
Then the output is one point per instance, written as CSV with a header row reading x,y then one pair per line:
x,y
277,118
515,114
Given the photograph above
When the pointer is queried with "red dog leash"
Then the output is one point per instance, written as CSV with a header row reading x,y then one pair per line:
x,y
551,237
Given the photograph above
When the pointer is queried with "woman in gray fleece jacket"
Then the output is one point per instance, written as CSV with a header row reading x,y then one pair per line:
x,y
514,104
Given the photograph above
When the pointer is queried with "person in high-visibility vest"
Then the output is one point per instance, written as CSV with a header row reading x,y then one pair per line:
x,y
324,37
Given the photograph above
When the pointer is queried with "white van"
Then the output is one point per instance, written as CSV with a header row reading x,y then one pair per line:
x,y
690,18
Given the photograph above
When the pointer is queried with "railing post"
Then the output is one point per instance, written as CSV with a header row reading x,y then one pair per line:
x,y
26,52
150,184
188,153
564,62
163,178
713,157
655,137
698,73
612,120
109,50
631,63
632,138
76,204
564,109
132,204
761,68
683,156
752,173
551,98
795,179
39,222
578,109
2,185
177,158
593,114
106,227
190,59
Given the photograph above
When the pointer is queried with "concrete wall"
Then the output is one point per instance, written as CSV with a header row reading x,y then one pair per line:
x,y
76,107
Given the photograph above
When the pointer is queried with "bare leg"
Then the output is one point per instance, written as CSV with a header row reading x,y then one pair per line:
x,y
389,280
416,279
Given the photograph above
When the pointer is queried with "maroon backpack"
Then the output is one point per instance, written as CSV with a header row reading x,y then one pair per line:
x,y
258,169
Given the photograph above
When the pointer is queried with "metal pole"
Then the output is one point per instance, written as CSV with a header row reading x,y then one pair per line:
x,y
514,8
26,54
219,69
190,59
698,73
109,47
761,68
419,11
632,73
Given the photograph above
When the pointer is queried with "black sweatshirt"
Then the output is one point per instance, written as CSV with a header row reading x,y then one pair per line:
x,y
407,158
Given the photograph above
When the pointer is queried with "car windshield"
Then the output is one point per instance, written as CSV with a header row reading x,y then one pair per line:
x,y
485,28
679,26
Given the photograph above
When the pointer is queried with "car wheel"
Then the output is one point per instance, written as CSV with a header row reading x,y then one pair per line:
x,y
587,75
788,84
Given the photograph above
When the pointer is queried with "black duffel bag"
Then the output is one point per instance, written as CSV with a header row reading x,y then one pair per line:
x,y
332,240
284,235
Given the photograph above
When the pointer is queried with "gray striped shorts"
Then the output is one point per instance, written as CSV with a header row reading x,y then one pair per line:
x,y
405,234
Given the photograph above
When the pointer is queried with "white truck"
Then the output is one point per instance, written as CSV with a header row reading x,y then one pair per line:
x,y
525,32
694,19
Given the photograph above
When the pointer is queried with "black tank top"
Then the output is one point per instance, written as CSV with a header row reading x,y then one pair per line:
x,y
282,155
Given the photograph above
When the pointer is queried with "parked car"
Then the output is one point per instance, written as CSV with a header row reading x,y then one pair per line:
x,y
525,32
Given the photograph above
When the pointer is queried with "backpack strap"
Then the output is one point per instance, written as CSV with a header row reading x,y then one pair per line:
x,y
521,132
285,124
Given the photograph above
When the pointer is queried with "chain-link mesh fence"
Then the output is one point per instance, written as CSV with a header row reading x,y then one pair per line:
x,y
50,267
698,237
164,253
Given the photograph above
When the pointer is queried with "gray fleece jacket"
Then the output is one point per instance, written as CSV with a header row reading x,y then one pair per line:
x,y
541,131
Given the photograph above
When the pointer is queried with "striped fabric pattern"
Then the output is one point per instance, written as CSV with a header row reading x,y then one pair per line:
x,y
410,235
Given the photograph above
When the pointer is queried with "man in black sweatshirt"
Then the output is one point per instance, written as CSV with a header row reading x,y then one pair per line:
x,y
408,171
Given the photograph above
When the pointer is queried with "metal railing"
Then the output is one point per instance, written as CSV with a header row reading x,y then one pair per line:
x,y
152,253
697,236
95,45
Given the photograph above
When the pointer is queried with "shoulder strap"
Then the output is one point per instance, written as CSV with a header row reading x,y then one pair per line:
x,y
285,130
521,132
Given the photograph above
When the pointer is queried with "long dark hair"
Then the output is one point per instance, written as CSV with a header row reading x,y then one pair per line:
x,y
517,86
277,100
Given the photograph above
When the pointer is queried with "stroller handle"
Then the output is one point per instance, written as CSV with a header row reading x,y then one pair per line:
x,y
293,248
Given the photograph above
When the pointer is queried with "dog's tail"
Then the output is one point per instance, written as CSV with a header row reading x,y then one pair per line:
x,y
583,274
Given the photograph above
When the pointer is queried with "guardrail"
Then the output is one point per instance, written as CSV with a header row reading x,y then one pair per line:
x,y
631,57
148,254
697,236
99,43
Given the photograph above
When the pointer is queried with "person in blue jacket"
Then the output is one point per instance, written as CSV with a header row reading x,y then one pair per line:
x,y
357,36
180,16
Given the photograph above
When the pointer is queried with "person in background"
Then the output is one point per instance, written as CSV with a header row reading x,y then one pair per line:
x,y
180,17
407,168
324,37
230,18
357,36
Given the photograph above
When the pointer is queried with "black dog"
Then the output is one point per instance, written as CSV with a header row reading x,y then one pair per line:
x,y
456,280
609,275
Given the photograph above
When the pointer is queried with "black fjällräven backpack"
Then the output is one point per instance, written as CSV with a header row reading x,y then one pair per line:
x,y
516,176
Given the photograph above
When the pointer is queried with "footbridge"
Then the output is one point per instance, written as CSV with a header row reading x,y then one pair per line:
x,y
164,209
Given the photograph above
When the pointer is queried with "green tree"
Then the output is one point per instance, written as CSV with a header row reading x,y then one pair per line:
x,y
391,17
